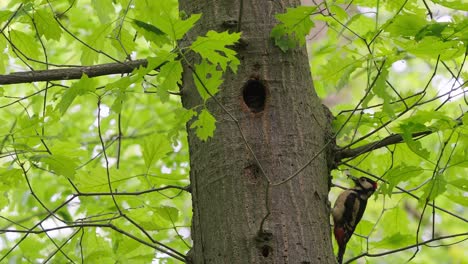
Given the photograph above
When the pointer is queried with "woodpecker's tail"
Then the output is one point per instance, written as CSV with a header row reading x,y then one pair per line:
x,y
339,257
341,242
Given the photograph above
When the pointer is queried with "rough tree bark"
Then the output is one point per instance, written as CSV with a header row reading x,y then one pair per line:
x,y
285,132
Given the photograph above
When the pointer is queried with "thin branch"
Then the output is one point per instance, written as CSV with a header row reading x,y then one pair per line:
x,y
436,172
11,18
111,226
390,140
145,232
103,145
404,248
73,73
398,116
59,248
75,37
182,188
31,230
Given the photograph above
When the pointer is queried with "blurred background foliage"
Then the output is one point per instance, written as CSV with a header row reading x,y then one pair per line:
x,y
382,67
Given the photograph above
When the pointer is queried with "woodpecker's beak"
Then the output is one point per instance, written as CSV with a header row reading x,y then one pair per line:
x,y
355,179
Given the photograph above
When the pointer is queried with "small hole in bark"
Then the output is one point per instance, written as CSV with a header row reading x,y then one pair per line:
x,y
251,172
266,251
254,94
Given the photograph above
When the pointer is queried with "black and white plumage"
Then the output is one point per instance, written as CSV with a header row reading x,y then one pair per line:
x,y
348,210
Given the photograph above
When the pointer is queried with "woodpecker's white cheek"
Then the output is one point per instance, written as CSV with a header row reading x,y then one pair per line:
x,y
367,185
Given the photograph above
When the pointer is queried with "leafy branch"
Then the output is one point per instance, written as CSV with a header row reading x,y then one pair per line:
x,y
344,153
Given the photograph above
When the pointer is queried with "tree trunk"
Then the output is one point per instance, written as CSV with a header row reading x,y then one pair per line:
x,y
285,132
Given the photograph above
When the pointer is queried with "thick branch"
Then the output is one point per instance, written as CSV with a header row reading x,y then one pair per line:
x,y
390,140
342,153
72,73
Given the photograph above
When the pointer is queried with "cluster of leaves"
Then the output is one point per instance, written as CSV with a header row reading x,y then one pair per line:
x,y
404,71
95,170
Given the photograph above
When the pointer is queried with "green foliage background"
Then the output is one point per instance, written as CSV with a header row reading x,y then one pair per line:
x,y
101,164
385,67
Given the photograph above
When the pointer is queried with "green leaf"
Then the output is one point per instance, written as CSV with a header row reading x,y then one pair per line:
x,y
295,25
465,118
154,148
415,146
5,15
461,184
164,15
401,174
395,241
151,33
145,217
98,40
427,120
148,27
182,116
128,250
3,60
4,199
171,214
183,26
65,215
118,89
364,227
205,125
170,75
46,24
338,12
434,188
60,164
154,218
123,42
10,178
423,121
213,48
454,4
336,73
459,199
434,29
81,87
431,47
362,25
95,248
28,245
26,43
394,221
381,91
405,25
92,180
207,77
362,120
121,84
116,106
103,9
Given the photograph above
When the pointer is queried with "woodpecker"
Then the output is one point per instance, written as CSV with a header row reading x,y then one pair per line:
x,y
348,210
